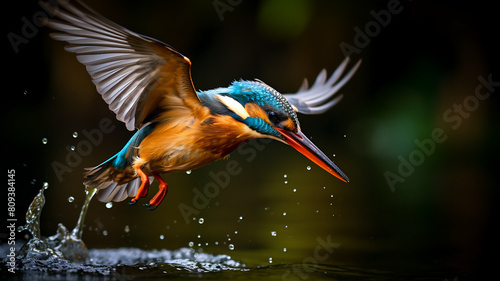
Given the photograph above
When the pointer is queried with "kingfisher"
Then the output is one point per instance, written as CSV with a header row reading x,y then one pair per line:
x,y
148,85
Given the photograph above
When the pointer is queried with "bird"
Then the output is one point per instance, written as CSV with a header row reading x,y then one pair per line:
x,y
148,85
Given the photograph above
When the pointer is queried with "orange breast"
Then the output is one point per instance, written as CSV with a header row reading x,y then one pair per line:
x,y
183,144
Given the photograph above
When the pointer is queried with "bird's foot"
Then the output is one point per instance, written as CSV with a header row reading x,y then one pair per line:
x,y
143,189
150,207
163,189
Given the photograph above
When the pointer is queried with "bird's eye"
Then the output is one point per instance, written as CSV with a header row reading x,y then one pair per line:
x,y
273,117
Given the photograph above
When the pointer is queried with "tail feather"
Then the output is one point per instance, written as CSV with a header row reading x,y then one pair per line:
x,y
115,179
113,184
112,191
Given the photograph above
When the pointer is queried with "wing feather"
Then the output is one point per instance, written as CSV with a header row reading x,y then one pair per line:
x,y
316,100
126,68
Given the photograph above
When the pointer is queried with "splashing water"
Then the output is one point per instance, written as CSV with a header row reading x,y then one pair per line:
x,y
62,245
66,253
32,215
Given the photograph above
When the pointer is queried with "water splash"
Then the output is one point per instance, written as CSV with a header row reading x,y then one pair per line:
x,y
36,247
66,253
33,215
64,244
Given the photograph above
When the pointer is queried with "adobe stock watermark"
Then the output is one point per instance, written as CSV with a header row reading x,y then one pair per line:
x,y
453,116
362,37
31,25
223,6
84,147
221,179
321,253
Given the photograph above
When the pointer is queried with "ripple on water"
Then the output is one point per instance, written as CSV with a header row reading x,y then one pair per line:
x,y
111,261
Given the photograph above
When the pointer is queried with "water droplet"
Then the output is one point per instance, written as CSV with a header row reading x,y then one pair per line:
x,y
241,217
273,233
45,140
317,211
231,247
75,135
284,213
162,236
45,185
334,155
199,236
285,176
331,195
294,190
236,232
109,205
345,136
25,92
126,229
188,172
284,249
191,243
105,232
72,148
71,199
216,243
286,182
201,220
270,260
308,168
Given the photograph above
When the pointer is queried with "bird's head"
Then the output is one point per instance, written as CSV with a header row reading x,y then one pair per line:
x,y
269,115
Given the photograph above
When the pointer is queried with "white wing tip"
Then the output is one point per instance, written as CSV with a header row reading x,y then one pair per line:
x,y
316,100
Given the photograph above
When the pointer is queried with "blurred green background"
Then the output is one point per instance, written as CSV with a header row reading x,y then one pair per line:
x,y
423,63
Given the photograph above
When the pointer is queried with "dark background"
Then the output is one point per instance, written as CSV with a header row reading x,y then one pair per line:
x,y
416,68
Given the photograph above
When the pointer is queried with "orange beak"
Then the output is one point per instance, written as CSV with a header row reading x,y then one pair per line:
x,y
303,145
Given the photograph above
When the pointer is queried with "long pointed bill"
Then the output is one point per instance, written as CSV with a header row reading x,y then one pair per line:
x,y
303,145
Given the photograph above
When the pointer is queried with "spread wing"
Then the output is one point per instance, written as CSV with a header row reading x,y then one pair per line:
x,y
314,100
133,73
